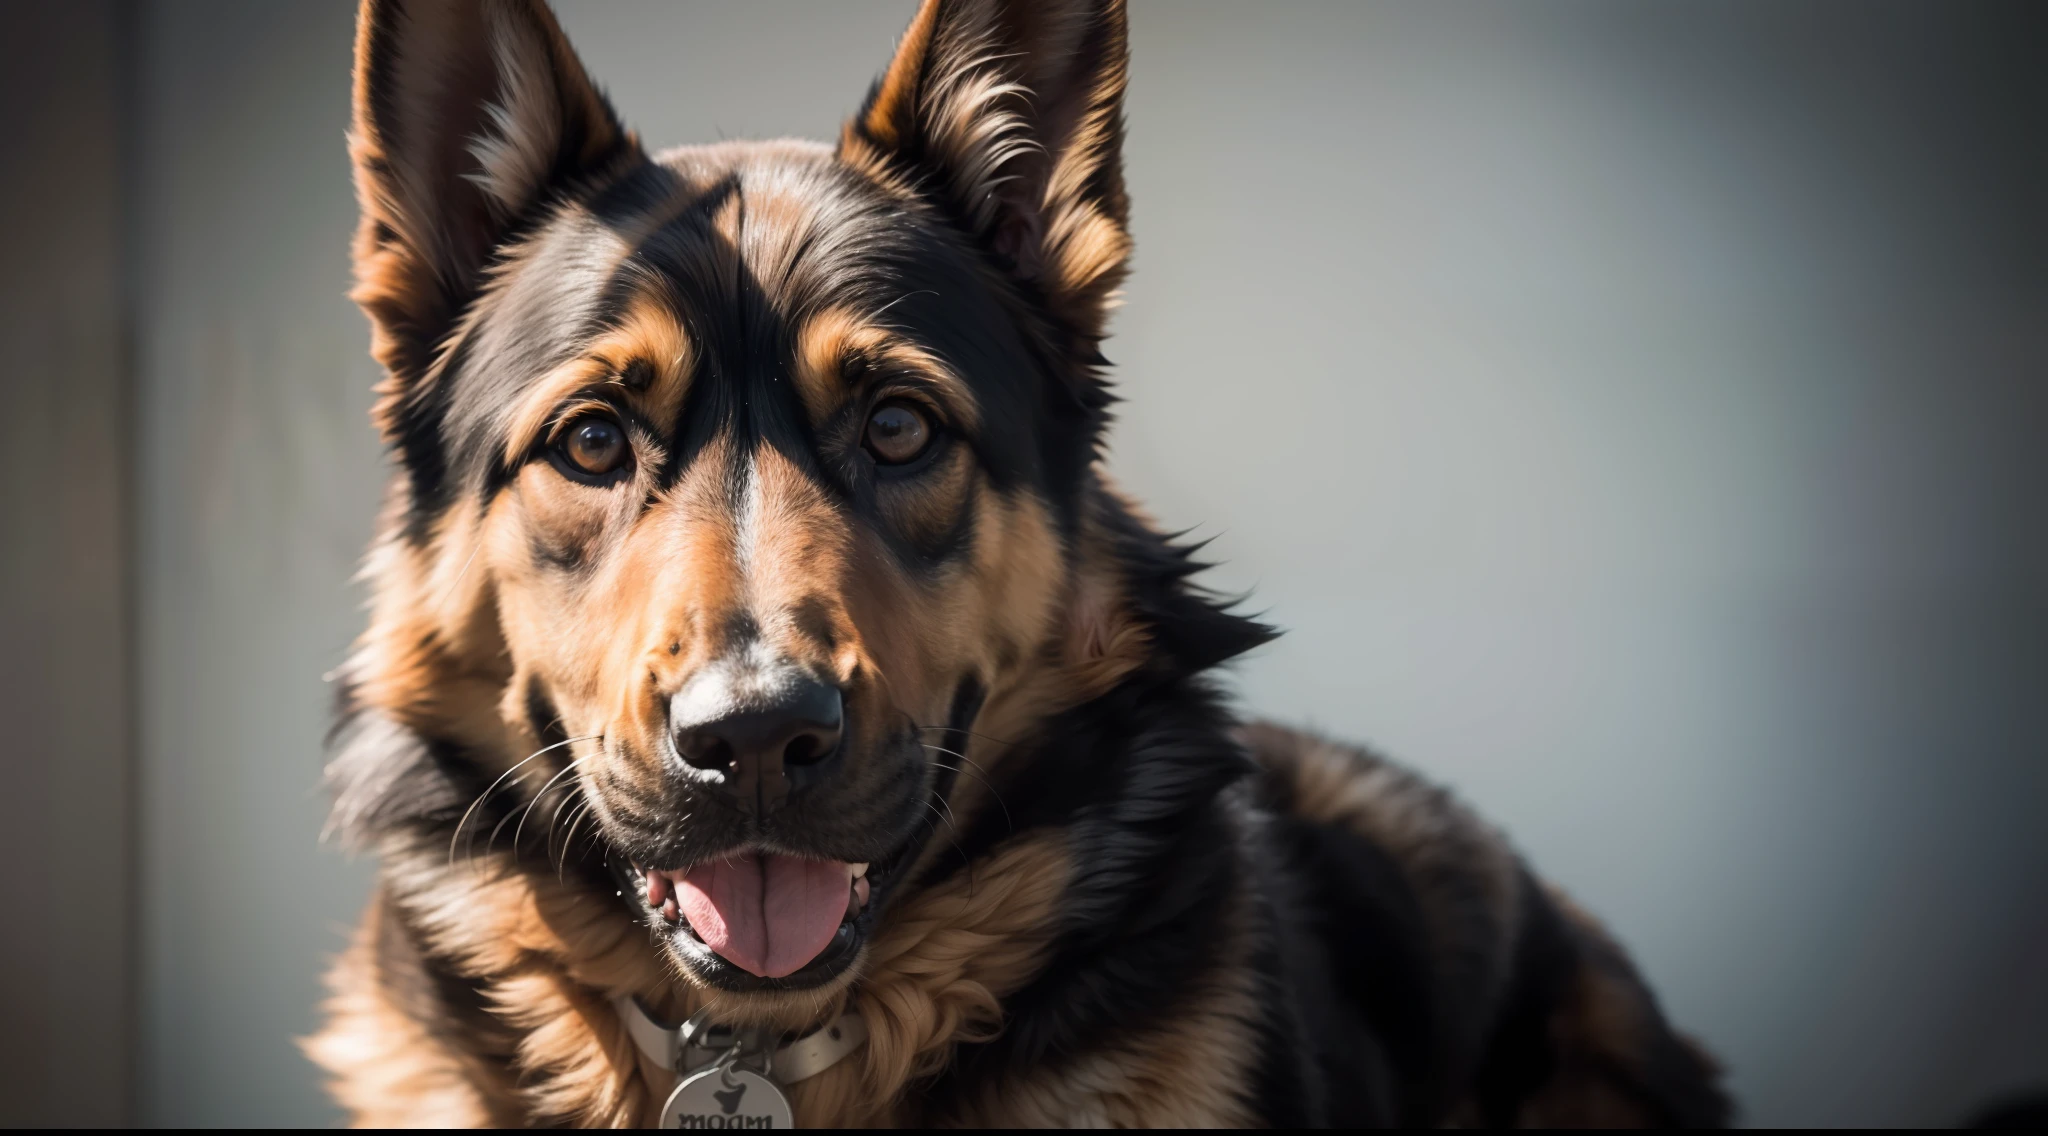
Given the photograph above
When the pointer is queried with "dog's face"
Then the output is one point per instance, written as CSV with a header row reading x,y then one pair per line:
x,y
759,541
745,476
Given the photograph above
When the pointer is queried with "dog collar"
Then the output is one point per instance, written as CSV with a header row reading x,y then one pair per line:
x,y
696,1044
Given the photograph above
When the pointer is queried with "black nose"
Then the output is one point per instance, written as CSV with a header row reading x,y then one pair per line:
x,y
755,730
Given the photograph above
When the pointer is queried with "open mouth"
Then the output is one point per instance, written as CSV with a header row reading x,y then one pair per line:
x,y
753,919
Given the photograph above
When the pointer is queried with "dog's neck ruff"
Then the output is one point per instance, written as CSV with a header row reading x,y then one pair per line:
x,y
695,1044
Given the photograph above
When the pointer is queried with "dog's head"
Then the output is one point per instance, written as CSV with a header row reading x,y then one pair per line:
x,y
743,483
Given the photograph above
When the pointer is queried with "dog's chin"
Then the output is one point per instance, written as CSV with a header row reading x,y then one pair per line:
x,y
686,945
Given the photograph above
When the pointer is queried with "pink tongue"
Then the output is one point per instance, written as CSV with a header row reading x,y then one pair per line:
x,y
765,914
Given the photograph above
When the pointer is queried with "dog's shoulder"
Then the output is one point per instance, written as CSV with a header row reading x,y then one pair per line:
x,y
1493,998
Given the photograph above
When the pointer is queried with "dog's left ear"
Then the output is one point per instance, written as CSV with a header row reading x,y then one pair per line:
x,y
1008,114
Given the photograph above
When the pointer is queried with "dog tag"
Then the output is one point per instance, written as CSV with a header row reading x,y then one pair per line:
x,y
727,1097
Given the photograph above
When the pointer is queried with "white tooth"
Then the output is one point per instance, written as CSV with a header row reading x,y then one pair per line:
x,y
859,870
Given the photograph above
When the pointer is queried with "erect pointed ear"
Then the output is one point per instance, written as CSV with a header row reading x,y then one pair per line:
x,y
1009,113
468,113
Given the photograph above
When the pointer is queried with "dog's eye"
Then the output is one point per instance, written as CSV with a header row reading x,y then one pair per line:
x,y
595,445
897,433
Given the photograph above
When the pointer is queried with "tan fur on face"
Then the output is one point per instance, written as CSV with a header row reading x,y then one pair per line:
x,y
832,339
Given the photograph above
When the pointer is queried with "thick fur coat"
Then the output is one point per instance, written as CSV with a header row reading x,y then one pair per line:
x,y
713,426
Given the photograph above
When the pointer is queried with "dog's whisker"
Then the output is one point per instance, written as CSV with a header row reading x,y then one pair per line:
x,y
951,839
955,752
470,852
969,733
978,775
569,837
492,841
485,795
951,819
522,812
554,821
1007,820
952,822
538,798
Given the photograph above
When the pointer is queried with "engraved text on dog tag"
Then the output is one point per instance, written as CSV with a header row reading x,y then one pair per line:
x,y
727,1097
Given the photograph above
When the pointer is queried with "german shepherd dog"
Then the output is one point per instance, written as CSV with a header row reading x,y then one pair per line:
x,y
755,635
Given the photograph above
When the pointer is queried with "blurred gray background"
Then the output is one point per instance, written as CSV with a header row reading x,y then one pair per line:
x,y
1634,411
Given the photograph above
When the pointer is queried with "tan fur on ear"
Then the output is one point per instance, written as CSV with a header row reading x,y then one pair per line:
x,y
1012,112
890,115
525,136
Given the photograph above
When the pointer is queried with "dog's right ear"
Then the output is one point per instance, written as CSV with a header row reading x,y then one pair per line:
x,y
468,115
